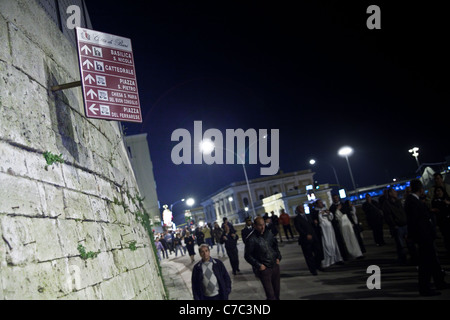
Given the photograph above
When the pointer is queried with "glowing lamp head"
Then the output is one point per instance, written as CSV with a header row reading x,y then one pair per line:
x,y
345,151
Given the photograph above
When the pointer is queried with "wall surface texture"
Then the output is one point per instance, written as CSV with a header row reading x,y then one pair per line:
x,y
72,230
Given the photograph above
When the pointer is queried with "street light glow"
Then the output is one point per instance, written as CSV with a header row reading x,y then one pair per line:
x,y
345,151
230,199
190,202
206,146
312,162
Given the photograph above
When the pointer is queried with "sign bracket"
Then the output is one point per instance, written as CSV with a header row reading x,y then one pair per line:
x,y
66,86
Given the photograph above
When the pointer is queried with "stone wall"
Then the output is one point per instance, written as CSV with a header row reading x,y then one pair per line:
x,y
69,230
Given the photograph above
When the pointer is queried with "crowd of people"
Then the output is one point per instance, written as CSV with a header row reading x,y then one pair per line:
x,y
327,236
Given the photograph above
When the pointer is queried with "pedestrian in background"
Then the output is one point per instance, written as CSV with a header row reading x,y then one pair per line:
x,y
374,217
308,240
248,228
190,243
441,208
217,233
208,236
159,248
230,239
422,230
210,279
276,224
395,217
286,223
177,245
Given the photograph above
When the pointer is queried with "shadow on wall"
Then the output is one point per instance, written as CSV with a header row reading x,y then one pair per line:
x,y
62,124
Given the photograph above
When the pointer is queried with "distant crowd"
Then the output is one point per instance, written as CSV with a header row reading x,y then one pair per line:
x,y
327,236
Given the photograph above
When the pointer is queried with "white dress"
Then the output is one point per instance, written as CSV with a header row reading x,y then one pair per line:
x,y
331,253
348,234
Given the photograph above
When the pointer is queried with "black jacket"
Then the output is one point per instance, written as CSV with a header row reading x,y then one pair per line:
x,y
304,227
261,249
223,279
421,223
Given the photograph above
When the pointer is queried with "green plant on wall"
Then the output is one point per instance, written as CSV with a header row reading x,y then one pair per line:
x,y
86,255
132,245
51,158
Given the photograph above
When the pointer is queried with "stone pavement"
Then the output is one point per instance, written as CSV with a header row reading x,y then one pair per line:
x,y
339,282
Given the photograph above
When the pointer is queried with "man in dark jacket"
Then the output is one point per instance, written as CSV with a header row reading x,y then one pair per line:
x,y
308,240
395,217
422,230
248,228
261,251
210,278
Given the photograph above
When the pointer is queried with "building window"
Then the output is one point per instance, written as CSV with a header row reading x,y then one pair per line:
x,y
261,196
245,200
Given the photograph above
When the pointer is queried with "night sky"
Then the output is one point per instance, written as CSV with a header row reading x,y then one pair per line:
x,y
313,71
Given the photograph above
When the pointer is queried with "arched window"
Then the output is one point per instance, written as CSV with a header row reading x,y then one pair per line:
x,y
245,200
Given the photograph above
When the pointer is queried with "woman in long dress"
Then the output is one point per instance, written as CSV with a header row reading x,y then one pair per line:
x,y
347,232
331,253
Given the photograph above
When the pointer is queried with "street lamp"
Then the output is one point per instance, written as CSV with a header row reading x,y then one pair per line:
x,y
415,154
313,162
345,152
207,147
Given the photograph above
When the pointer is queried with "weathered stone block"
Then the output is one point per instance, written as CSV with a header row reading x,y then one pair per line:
x,y
21,196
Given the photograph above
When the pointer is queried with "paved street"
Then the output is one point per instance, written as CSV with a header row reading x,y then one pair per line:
x,y
339,282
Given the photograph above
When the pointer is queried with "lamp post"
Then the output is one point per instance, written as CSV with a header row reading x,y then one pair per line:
x,y
207,146
345,152
313,162
415,154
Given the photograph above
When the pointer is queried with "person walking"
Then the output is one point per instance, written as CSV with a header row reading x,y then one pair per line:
x,y
441,208
208,236
395,216
337,228
276,225
374,217
262,253
190,243
331,253
159,248
286,223
177,245
350,210
230,239
346,226
217,233
308,240
248,228
210,279
422,229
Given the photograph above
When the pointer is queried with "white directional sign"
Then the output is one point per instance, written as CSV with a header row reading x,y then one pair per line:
x,y
108,76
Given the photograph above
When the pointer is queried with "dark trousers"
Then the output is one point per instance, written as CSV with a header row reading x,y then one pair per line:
x,y
286,228
378,236
312,252
270,279
234,258
429,267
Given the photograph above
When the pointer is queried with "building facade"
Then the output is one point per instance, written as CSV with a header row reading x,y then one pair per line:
x,y
233,201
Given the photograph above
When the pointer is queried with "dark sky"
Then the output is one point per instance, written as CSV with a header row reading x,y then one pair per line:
x,y
313,71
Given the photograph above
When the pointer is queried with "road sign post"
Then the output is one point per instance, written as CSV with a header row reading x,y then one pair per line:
x,y
108,76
